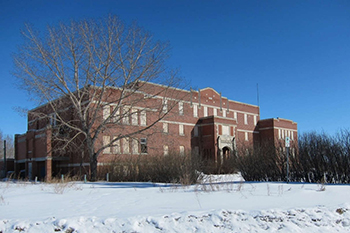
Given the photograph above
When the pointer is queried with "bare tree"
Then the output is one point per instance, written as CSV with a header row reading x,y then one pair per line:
x,y
9,146
93,75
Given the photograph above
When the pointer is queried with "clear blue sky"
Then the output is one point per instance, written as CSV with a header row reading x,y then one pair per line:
x,y
297,51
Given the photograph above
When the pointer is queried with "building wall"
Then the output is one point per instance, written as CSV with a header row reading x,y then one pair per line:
x,y
202,121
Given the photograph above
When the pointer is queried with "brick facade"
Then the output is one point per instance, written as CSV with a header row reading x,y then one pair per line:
x,y
202,122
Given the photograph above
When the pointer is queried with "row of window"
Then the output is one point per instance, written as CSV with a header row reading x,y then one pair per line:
x,y
222,130
215,112
181,129
166,150
205,111
139,117
292,151
122,146
125,115
283,133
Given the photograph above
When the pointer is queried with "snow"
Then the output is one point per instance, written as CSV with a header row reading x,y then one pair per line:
x,y
225,204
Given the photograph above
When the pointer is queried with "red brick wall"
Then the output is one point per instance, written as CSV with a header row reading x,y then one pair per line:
x,y
209,127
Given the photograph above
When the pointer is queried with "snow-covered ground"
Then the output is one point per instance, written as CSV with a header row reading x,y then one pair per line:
x,y
215,206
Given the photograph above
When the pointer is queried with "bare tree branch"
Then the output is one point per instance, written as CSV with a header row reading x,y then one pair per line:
x,y
79,69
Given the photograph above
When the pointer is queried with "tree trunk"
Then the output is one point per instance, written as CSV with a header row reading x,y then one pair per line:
x,y
93,167
93,159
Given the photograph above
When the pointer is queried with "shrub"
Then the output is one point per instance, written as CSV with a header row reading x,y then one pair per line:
x,y
320,158
172,168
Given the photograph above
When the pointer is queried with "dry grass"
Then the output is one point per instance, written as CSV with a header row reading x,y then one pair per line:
x,y
60,185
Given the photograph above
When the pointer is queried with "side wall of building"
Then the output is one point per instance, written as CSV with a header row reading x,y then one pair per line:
x,y
201,122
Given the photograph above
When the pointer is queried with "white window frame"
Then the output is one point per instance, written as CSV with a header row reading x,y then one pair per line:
x,y
165,106
116,116
116,146
165,150
106,112
143,118
106,141
195,110
53,119
205,110
181,108
215,111
279,134
165,127
134,117
182,150
135,146
225,130
245,119
255,119
181,130
246,137
126,113
126,146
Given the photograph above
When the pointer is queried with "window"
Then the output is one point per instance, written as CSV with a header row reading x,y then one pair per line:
x,y
215,112
195,131
116,116
224,112
205,111
182,150
235,115
254,120
279,133
225,130
181,130
126,115
143,118
245,119
116,146
165,128
106,112
181,108
165,106
246,136
53,119
292,135
135,146
126,146
195,111
134,117
106,141
166,150
143,142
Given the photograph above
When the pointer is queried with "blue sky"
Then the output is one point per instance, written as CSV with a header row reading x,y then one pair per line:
x,y
298,52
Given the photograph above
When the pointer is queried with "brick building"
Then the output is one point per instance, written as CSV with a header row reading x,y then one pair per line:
x,y
202,122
